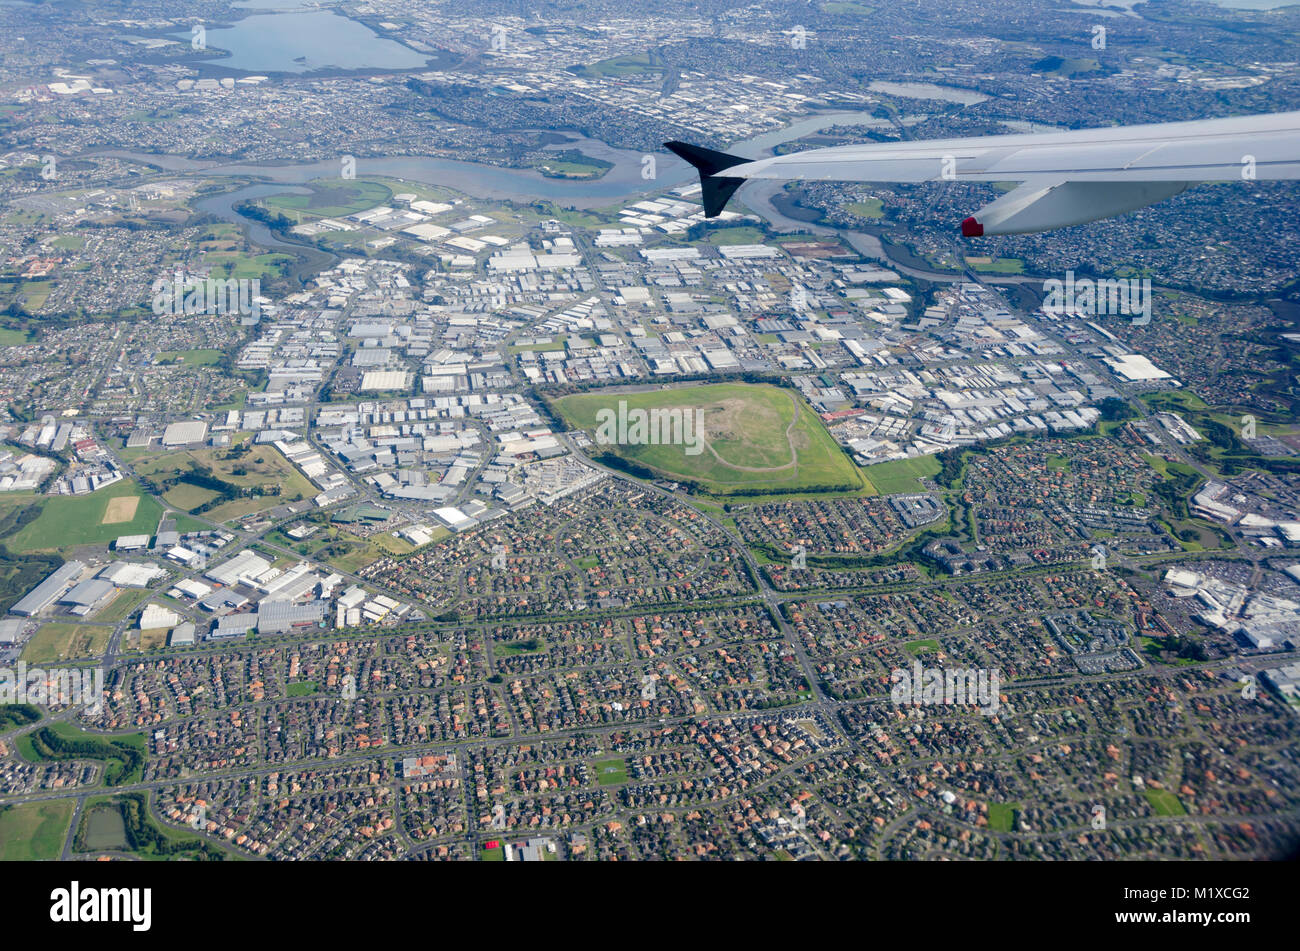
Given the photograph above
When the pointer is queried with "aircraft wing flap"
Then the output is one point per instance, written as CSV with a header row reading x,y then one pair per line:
x,y
1044,205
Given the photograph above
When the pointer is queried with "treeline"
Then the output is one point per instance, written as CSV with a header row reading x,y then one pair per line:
x,y
204,478
1115,410
18,714
1175,489
631,467
277,222
952,463
558,390
49,745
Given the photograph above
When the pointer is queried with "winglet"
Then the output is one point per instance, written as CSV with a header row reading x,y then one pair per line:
x,y
714,190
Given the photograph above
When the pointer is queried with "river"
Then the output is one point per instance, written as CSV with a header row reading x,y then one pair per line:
x,y
622,183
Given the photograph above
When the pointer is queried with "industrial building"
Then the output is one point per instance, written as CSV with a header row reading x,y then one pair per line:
x,y
279,617
185,433
49,590
88,596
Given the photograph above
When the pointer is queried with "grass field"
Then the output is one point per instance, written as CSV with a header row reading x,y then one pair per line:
x,y
191,358
573,164
365,550
68,521
902,475
34,831
332,198
187,497
137,640
921,647
1164,802
872,208
847,9
996,265
630,65
260,467
393,545
126,602
757,438
243,266
62,641
742,234
1002,816
610,771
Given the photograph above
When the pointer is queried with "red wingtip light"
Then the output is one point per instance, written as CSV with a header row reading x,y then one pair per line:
x,y
970,228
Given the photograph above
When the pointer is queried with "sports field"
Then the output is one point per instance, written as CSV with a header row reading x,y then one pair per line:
x,y
903,475
756,438
34,831
95,519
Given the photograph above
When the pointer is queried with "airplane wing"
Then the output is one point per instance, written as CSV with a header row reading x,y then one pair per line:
x,y
1068,178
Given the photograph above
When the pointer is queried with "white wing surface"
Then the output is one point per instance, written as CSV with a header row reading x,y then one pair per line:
x,y
1068,177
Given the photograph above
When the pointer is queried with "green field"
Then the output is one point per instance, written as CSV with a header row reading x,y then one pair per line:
x,y
332,198
1164,802
572,163
921,647
532,645
872,208
631,65
68,521
121,606
34,831
261,467
241,266
741,234
187,497
847,8
996,265
1057,66
191,358
62,641
758,439
900,476
610,771
1002,816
